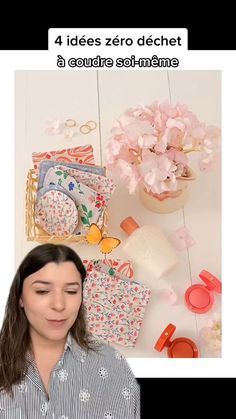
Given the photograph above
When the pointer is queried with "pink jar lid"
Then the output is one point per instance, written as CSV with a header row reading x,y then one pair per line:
x,y
199,298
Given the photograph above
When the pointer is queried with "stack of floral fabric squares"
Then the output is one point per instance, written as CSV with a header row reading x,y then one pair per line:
x,y
72,192
114,301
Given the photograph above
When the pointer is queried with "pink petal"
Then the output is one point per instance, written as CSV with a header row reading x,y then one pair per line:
x,y
147,140
181,239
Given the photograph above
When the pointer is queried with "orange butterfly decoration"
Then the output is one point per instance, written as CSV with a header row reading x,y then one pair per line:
x,y
107,244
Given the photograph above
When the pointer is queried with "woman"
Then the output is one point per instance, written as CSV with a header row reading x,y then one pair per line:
x,y
49,365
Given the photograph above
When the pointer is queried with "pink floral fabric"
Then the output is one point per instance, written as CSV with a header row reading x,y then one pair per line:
x,y
56,213
115,306
91,205
110,266
80,154
101,184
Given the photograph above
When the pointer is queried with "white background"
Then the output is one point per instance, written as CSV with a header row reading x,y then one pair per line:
x,y
193,60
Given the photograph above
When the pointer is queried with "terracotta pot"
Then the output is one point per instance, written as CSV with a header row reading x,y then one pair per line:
x,y
169,201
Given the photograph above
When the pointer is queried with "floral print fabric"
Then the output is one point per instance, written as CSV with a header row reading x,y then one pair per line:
x,y
113,267
101,184
85,184
90,204
45,165
56,213
115,306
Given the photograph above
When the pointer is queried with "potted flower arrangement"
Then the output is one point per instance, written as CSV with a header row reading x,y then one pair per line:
x,y
149,147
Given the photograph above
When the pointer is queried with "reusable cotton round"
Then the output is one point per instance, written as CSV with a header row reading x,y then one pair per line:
x,y
56,213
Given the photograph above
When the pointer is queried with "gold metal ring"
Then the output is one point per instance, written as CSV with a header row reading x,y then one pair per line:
x,y
70,123
91,124
85,129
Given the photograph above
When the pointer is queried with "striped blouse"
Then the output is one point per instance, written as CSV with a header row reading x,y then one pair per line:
x,y
83,385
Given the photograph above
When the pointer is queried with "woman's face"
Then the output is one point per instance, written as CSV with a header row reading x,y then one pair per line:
x,y
51,298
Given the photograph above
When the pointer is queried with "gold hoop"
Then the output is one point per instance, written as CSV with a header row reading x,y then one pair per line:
x,y
70,123
85,129
91,124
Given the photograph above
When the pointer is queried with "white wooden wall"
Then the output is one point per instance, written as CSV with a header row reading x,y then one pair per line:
x,y
103,96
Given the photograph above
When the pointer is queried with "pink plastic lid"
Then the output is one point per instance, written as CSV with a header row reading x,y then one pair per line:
x,y
199,298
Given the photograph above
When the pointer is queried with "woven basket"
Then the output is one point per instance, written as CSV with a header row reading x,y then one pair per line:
x,y
33,231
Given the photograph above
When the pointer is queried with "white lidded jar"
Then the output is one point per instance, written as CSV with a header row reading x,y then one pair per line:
x,y
148,247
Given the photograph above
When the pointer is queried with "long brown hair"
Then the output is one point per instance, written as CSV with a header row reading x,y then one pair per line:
x,y
14,335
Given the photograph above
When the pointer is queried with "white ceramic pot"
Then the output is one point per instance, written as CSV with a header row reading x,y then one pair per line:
x,y
169,201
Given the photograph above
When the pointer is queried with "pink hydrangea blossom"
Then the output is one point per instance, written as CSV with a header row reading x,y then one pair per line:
x,y
150,145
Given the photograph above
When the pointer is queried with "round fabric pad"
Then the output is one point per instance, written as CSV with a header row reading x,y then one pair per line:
x,y
56,213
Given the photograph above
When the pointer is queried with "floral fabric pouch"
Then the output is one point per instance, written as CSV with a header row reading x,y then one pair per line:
x,y
90,204
98,183
56,212
45,165
113,267
115,307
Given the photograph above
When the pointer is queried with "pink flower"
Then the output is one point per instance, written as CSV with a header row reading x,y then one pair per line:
x,y
209,145
177,156
147,140
149,145
129,174
155,170
160,146
112,150
53,127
